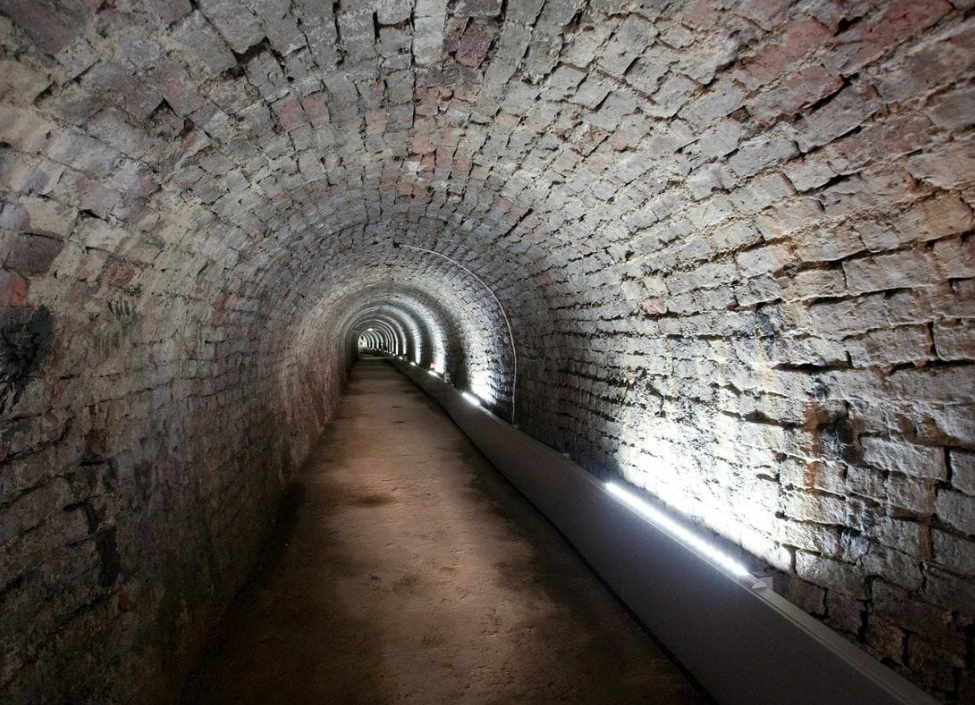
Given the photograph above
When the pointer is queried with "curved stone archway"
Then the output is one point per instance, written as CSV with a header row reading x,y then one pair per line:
x,y
733,242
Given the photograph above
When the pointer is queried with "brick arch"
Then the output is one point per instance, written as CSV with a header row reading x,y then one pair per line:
x,y
734,242
388,334
413,332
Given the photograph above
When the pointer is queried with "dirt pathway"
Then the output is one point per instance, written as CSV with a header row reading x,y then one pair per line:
x,y
406,570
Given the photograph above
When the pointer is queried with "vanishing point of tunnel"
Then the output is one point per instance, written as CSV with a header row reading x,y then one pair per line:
x,y
719,252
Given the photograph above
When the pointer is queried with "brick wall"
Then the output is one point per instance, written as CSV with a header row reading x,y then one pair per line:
x,y
734,246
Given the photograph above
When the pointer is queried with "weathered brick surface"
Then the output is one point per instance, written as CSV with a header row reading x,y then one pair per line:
x,y
735,246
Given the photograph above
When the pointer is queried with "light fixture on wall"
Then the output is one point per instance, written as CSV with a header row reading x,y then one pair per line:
x,y
511,337
654,515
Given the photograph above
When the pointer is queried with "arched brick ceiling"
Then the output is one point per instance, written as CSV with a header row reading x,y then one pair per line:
x,y
733,240
308,154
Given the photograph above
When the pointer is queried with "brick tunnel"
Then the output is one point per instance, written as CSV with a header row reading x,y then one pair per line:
x,y
720,251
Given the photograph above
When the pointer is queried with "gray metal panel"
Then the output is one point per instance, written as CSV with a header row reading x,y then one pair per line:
x,y
744,646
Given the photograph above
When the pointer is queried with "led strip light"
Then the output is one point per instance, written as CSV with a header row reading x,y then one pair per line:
x,y
651,513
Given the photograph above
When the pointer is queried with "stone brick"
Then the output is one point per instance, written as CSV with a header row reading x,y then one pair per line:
x,y
957,510
945,166
934,661
795,40
878,141
13,290
51,28
804,88
768,151
816,508
931,65
47,217
23,129
721,139
237,25
893,604
953,425
649,71
760,192
592,92
762,260
81,152
886,640
210,55
844,112
953,553
721,99
963,470
118,82
708,179
893,271
953,110
809,173
844,613
389,12
20,85
934,384
628,43
473,46
885,348
843,318
938,217
111,127
814,284
954,341
896,567
169,11
804,595
834,575
905,458
910,537
812,537
867,482
956,257
33,254
949,591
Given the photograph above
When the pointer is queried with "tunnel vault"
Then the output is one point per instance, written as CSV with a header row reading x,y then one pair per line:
x,y
733,240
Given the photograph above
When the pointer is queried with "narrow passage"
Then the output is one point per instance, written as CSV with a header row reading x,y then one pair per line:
x,y
406,569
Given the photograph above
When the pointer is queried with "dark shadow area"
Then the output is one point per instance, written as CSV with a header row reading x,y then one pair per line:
x,y
286,639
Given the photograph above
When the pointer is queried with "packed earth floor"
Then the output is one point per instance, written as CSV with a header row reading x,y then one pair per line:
x,y
404,568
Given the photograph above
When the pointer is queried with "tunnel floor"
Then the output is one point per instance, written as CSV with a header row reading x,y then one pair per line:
x,y
404,568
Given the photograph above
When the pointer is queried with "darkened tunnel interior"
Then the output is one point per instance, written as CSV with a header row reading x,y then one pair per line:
x,y
719,250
